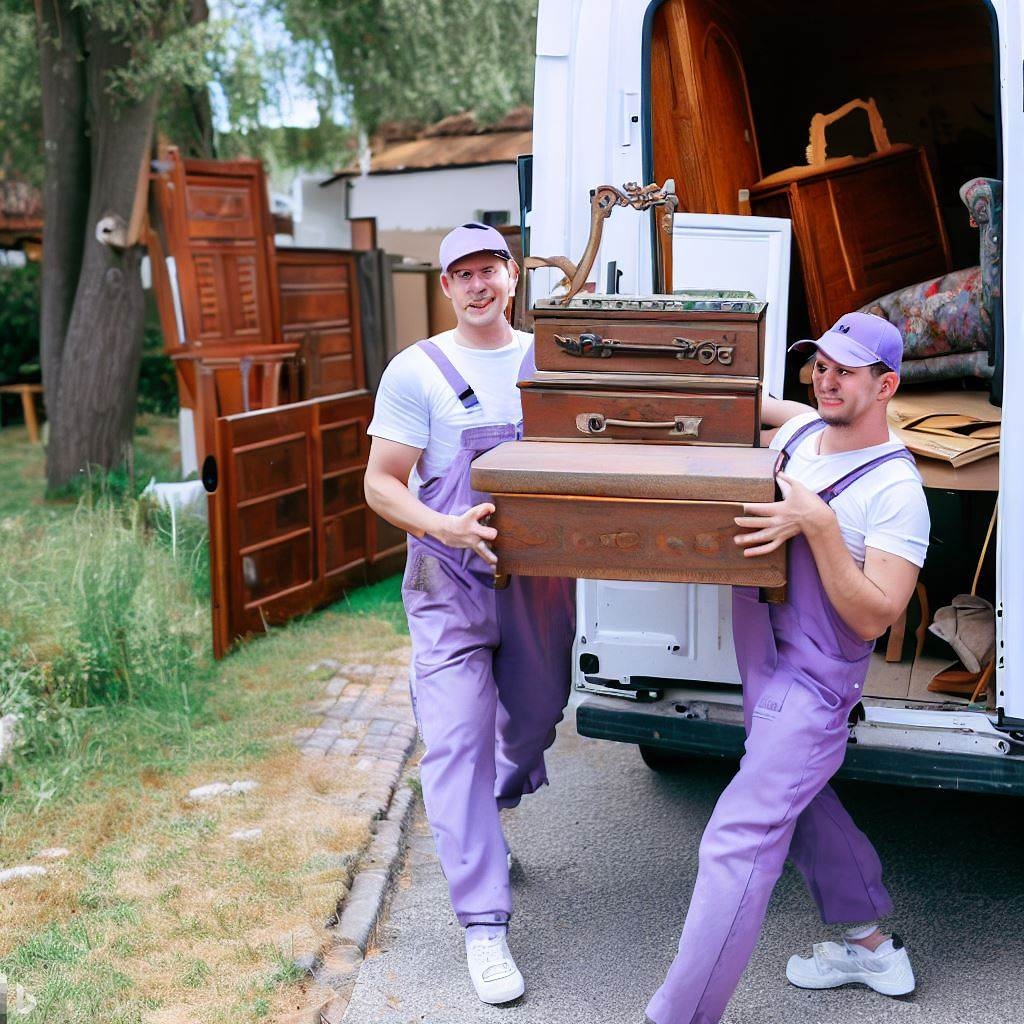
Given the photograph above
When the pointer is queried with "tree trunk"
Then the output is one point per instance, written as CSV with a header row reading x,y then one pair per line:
x,y
66,183
91,424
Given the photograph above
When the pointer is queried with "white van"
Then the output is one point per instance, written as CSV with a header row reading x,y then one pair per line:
x,y
656,660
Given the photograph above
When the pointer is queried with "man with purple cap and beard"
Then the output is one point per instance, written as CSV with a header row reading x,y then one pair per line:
x,y
854,512
490,668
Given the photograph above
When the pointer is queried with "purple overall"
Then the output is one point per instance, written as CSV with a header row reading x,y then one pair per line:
x,y
490,679
802,669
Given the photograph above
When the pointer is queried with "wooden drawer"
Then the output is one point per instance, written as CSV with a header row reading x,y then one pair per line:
x,y
627,539
629,512
557,408
648,342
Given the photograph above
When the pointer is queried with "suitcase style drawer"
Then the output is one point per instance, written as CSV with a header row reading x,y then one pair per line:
x,y
623,414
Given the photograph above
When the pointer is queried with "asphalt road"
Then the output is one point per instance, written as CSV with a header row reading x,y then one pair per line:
x,y
605,862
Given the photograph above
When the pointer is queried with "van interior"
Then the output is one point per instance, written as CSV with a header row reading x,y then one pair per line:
x,y
733,88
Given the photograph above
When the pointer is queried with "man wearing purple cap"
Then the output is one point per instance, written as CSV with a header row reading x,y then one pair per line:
x,y
854,513
490,668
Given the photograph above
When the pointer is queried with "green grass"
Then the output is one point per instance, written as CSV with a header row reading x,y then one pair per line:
x,y
105,653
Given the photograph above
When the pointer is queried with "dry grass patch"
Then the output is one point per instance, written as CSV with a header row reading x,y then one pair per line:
x,y
158,915
184,922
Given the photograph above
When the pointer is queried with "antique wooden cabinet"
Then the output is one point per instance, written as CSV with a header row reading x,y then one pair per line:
x,y
862,227
666,390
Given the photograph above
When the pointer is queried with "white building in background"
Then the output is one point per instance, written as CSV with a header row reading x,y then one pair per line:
x,y
419,188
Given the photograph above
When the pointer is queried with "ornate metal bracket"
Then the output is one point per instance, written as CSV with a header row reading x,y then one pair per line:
x,y
603,200
591,345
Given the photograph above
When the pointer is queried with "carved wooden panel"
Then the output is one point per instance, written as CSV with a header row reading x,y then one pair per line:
x,y
703,129
215,223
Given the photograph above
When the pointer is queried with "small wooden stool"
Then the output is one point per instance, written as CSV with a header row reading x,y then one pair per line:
x,y
28,405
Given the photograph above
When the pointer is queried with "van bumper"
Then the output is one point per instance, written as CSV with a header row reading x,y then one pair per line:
x,y
615,719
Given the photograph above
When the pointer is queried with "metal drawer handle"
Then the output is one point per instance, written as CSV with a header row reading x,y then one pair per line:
x,y
680,426
593,345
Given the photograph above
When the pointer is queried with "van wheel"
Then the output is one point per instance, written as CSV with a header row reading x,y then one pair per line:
x,y
660,760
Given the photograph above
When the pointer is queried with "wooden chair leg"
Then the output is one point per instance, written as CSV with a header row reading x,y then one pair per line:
x,y
894,648
926,618
28,407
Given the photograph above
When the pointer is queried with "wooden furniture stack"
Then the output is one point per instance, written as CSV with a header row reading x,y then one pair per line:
x,y
640,434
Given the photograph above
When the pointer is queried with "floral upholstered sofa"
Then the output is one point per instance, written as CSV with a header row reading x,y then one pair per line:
x,y
952,325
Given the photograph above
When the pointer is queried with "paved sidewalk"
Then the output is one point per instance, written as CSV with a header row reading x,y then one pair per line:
x,y
365,716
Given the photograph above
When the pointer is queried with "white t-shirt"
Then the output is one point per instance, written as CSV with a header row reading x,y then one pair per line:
x,y
416,406
884,509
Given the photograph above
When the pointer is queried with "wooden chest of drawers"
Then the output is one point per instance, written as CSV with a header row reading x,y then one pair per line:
x,y
627,512
862,227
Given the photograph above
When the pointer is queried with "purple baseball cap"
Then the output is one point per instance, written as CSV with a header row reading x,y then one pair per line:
x,y
468,239
859,339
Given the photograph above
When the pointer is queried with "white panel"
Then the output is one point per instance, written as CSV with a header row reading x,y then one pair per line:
x,y
664,630
1010,536
745,253
554,28
431,200
187,441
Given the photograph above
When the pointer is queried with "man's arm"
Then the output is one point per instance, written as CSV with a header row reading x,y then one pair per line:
x,y
776,411
869,600
387,492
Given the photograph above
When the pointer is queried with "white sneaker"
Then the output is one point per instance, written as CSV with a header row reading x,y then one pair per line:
x,y
886,970
495,975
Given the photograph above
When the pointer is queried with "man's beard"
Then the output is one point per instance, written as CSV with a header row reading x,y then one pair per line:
x,y
834,418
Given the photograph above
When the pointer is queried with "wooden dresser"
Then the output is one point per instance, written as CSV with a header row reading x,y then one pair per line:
x,y
862,227
663,392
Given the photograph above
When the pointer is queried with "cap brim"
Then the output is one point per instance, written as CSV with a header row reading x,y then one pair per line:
x,y
840,348
502,254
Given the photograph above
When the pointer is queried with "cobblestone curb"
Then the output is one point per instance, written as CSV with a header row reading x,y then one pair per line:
x,y
365,717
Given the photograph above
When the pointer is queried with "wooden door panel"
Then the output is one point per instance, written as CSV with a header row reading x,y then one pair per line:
x,y
345,541
320,306
290,527
342,490
345,444
311,307
276,568
702,123
273,517
221,207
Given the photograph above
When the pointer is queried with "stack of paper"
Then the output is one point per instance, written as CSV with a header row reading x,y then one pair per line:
x,y
958,427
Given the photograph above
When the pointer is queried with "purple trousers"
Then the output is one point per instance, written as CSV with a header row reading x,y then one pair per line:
x,y
802,671
490,679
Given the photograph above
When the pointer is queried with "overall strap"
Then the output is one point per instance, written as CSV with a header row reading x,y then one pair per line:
x,y
808,428
458,383
834,490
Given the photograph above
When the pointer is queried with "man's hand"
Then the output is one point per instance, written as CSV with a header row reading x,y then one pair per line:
x,y
775,522
467,531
